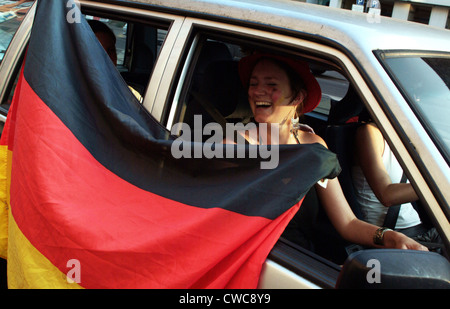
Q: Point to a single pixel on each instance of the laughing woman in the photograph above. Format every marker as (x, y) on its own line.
(279, 90)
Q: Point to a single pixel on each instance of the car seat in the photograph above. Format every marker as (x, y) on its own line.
(222, 90)
(343, 121)
(211, 51)
(143, 60)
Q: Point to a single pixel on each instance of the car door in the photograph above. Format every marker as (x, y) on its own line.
(193, 93)
(209, 63)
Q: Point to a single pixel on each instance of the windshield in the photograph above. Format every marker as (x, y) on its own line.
(425, 82)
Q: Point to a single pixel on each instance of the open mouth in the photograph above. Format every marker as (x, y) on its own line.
(263, 104)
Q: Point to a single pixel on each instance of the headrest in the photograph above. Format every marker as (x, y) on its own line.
(350, 106)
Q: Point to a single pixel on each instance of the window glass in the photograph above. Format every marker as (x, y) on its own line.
(11, 16)
(137, 46)
(425, 82)
(4, 107)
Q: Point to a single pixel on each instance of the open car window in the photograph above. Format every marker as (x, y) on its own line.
(138, 45)
(213, 89)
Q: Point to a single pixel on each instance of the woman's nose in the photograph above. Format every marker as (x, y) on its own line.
(260, 90)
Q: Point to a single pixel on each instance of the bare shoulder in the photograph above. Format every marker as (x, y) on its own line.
(367, 130)
(310, 138)
(369, 136)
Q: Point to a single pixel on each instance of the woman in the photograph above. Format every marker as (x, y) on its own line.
(377, 181)
(280, 89)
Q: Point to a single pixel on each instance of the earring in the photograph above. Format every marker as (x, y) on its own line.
(295, 122)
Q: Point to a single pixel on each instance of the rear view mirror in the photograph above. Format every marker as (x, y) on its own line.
(394, 269)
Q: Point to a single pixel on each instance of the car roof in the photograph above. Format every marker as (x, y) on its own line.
(354, 30)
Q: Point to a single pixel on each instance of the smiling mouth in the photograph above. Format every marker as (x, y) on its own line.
(263, 104)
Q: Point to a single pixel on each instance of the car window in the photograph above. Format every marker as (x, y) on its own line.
(215, 91)
(425, 83)
(119, 28)
(137, 46)
(4, 106)
(11, 16)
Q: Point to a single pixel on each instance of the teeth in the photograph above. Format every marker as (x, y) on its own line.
(262, 104)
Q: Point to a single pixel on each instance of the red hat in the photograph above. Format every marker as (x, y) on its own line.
(246, 65)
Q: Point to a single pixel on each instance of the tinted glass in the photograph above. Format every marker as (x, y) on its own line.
(425, 82)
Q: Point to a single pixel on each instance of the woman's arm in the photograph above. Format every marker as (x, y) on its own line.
(369, 150)
(344, 220)
(351, 228)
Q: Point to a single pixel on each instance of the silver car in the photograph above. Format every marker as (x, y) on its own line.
(400, 71)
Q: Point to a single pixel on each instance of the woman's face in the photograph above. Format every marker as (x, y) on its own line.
(270, 94)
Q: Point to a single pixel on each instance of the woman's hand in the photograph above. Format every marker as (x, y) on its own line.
(398, 240)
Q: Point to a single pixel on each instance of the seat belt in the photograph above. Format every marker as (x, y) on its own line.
(392, 214)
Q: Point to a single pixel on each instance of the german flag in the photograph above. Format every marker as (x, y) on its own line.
(91, 196)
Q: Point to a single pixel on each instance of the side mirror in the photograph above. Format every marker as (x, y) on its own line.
(394, 269)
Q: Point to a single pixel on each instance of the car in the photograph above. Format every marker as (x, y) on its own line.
(397, 69)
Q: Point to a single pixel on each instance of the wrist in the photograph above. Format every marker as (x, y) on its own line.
(379, 236)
